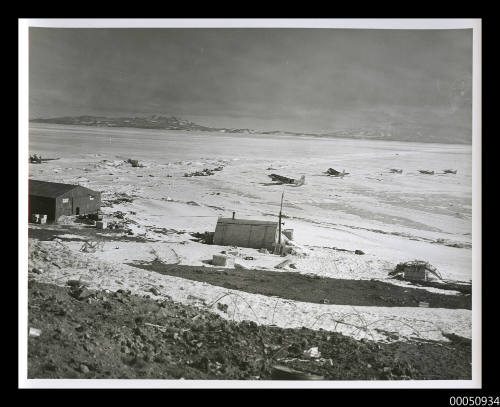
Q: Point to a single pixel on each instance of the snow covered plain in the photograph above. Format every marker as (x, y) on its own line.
(390, 217)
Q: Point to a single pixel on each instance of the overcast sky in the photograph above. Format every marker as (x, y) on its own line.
(294, 79)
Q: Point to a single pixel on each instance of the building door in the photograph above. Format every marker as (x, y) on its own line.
(77, 210)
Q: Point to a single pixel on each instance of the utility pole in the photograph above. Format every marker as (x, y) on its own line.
(279, 224)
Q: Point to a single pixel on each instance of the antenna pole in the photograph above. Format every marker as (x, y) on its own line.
(279, 223)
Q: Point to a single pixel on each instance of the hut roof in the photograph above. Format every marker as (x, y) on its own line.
(231, 221)
(49, 189)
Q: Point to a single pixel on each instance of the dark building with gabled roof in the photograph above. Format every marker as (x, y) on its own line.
(55, 199)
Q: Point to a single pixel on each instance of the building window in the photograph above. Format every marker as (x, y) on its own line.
(65, 200)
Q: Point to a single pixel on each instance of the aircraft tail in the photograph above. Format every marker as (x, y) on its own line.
(301, 181)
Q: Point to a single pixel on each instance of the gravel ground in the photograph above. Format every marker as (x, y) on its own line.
(102, 334)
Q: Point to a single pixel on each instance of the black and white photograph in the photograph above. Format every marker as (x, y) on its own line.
(250, 203)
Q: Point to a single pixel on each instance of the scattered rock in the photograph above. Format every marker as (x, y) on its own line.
(312, 353)
(222, 307)
(154, 291)
(84, 369)
(78, 283)
(81, 294)
(197, 344)
(34, 332)
(285, 373)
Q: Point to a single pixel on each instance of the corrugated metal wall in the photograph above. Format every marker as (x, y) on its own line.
(245, 235)
(416, 273)
(66, 204)
(77, 201)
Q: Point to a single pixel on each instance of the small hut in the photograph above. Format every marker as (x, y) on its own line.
(256, 234)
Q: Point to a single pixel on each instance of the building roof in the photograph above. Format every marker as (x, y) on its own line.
(231, 221)
(49, 189)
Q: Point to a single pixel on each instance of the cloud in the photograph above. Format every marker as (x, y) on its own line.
(318, 76)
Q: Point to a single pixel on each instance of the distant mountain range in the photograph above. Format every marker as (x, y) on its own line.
(394, 131)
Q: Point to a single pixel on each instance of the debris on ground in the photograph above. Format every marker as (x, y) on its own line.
(90, 246)
(91, 216)
(357, 251)
(117, 198)
(222, 307)
(312, 353)
(205, 237)
(117, 335)
(78, 283)
(154, 290)
(204, 173)
(119, 215)
(416, 270)
(134, 163)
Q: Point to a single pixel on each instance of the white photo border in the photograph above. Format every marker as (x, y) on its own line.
(396, 24)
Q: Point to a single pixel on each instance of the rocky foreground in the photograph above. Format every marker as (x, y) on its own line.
(81, 333)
